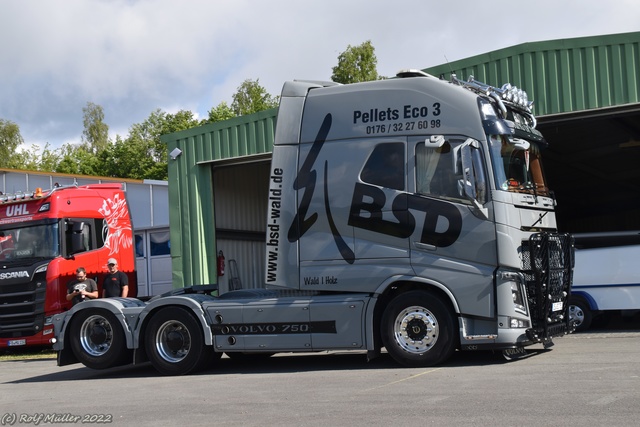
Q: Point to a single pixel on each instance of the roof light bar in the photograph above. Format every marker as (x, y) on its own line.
(507, 94)
(20, 195)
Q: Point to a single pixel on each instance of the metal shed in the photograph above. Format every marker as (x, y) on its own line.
(231, 160)
(587, 99)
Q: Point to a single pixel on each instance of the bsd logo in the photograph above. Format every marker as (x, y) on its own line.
(368, 215)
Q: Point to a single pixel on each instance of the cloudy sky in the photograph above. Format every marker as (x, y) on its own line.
(134, 56)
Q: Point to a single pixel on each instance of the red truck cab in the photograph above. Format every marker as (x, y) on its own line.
(44, 237)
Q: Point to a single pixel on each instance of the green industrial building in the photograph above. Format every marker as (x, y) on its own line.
(586, 94)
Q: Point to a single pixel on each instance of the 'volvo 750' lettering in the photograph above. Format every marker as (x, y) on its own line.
(323, 327)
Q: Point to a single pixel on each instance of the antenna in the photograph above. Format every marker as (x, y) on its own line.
(449, 64)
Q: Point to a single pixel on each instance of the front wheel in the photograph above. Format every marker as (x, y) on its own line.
(580, 313)
(418, 329)
(175, 342)
(97, 339)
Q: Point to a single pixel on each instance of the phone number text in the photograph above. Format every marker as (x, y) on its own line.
(403, 126)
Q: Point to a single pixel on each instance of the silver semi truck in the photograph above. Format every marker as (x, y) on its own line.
(410, 214)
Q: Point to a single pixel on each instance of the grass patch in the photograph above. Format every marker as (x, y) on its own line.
(27, 353)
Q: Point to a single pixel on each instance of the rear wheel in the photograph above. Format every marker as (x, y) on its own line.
(418, 329)
(175, 342)
(580, 313)
(97, 339)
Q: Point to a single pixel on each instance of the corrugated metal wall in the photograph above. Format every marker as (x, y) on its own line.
(562, 76)
(191, 210)
(241, 194)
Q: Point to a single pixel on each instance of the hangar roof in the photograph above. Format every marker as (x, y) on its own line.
(561, 76)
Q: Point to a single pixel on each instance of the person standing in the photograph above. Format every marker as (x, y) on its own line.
(116, 283)
(82, 288)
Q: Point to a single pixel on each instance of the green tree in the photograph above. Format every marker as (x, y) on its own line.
(10, 140)
(141, 155)
(95, 135)
(79, 160)
(181, 120)
(120, 159)
(251, 98)
(356, 64)
(220, 113)
(35, 159)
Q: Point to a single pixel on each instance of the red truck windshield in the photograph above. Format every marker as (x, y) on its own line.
(23, 241)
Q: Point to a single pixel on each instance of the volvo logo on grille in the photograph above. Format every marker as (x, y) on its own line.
(14, 275)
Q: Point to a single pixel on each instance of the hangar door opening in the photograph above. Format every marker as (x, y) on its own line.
(592, 166)
(240, 208)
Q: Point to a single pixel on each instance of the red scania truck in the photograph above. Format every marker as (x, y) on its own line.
(44, 237)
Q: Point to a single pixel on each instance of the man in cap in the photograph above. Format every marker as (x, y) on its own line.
(116, 283)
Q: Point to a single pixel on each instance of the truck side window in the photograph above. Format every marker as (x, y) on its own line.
(385, 166)
(102, 231)
(80, 235)
(434, 172)
(481, 180)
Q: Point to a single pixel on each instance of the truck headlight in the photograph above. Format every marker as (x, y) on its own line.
(518, 323)
(518, 298)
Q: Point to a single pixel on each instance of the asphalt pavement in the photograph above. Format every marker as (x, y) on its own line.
(592, 378)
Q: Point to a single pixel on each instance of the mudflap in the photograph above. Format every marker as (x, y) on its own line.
(66, 357)
(373, 354)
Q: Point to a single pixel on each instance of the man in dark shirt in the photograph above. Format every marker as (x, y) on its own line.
(82, 288)
(116, 283)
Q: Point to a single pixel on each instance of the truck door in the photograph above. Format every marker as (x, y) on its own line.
(379, 204)
(360, 201)
(451, 244)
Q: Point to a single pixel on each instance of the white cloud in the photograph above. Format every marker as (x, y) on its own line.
(132, 57)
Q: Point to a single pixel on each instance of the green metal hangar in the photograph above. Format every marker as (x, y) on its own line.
(586, 94)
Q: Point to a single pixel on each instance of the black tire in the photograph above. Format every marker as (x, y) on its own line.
(430, 339)
(97, 339)
(580, 313)
(175, 343)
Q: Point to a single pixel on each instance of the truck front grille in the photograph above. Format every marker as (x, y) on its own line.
(548, 260)
(22, 308)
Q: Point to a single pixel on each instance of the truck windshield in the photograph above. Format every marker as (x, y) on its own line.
(517, 166)
(23, 241)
